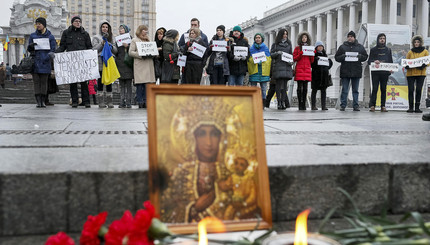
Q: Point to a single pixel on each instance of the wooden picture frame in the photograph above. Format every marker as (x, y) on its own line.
(207, 156)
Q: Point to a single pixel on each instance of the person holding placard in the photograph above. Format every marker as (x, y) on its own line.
(170, 71)
(379, 54)
(98, 44)
(158, 60)
(143, 66)
(218, 67)
(42, 45)
(350, 54)
(237, 60)
(126, 71)
(303, 72)
(195, 50)
(73, 39)
(259, 64)
(320, 75)
(416, 76)
(282, 71)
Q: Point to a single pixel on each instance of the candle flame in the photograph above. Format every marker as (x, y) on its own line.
(301, 236)
(213, 225)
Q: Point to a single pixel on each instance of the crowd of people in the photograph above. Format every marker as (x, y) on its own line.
(276, 66)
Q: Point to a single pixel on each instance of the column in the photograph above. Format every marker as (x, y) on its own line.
(352, 17)
(21, 48)
(300, 26)
(273, 38)
(293, 35)
(365, 11)
(12, 50)
(267, 41)
(339, 26)
(329, 37)
(393, 12)
(319, 28)
(425, 18)
(310, 27)
(378, 12)
(409, 11)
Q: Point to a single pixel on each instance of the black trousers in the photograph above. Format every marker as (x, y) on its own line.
(379, 80)
(415, 84)
(217, 76)
(84, 92)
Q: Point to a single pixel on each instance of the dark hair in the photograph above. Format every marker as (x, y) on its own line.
(281, 35)
(195, 19)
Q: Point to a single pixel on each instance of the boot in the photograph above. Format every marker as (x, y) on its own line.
(47, 102)
(94, 99)
(38, 102)
(411, 108)
(42, 100)
(264, 103)
(267, 104)
(313, 105)
(280, 106)
(109, 100)
(286, 103)
(323, 105)
(417, 108)
(101, 99)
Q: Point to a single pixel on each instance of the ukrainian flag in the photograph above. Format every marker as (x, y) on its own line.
(110, 71)
(6, 44)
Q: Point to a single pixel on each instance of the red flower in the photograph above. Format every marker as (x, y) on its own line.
(119, 230)
(89, 235)
(142, 222)
(60, 238)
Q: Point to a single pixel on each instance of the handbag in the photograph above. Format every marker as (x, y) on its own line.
(26, 65)
(128, 60)
(330, 81)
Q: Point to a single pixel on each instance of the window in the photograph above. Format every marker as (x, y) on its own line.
(399, 9)
(414, 10)
(360, 16)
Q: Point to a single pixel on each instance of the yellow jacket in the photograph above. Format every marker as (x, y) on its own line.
(265, 66)
(415, 71)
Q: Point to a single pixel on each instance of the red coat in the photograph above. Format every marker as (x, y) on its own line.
(303, 65)
(91, 85)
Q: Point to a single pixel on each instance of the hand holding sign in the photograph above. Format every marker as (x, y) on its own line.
(351, 56)
(413, 63)
(286, 57)
(147, 48)
(308, 50)
(240, 51)
(220, 46)
(41, 44)
(198, 49)
(259, 57)
(123, 39)
(323, 61)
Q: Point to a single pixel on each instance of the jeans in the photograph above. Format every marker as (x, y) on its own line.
(84, 93)
(379, 80)
(236, 80)
(126, 91)
(263, 86)
(418, 88)
(355, 81)
(141, 93)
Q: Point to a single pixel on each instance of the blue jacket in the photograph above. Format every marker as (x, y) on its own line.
(42, 61)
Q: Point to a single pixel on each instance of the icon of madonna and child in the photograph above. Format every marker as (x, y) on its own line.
(207, 151)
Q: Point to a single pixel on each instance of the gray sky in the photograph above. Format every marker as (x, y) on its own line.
(173, 14)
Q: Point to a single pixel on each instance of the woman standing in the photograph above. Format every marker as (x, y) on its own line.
(218, 67)
(259, 72)
(42, 60)
(195, 64)
(158, 60)
(170, 69)
(416, 75)
(320, 76)
(143, 66)
(303, 68)
(238, 65)
(126, 72)
(281, 70)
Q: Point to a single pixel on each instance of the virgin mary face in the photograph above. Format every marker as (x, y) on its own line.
(207, 143)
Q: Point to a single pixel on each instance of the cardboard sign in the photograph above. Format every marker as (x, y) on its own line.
(42, 44)
(147, 48)
(287, 57)
(259, 57)
(186, 37)
(124, 38)
(182, 60)
(308, 50)
(220, 46)
(76, 66)
(351, 56)
(240, 51)
(384, 67)
(412, 63)
(198, 49)
(323, 61)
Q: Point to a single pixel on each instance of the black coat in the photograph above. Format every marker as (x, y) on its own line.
(281, 69)
(74, 39)
(124, 70)
(383, 54)
(320, 74)
(351, 69)
(238, 67)
(212, 54)
(170, 71)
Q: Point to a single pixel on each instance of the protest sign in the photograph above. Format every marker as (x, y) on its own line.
(308, 50)
(42, 44)
(76, 66)
(220, 46)
(287, 57)
(198, 49)
(147, 48)
(124, 38)
(259, 57)
(240, 51)
(186, 37)
(412, 63)
(182, 60)
(323, 61)
(351, 56)
(384, 66)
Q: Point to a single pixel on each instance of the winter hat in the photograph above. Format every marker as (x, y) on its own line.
(237, 28)
(41, 20)
(76, 17)
(261, 35)
(351, 33)
(126, 28)
(319, 43)
(172, 33)
(221, 27)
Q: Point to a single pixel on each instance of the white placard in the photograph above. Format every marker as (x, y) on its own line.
(124, 38)
(198, 49)
(308, 50)
(323, 61)
(287, 57)
(186, 37)
(412, 63)
(147, 48)
(351, 56)
(240, 51)
(220, 46)
(76, 66)
(182, 60)
(384, 67)
(259, 57)
(42, 44)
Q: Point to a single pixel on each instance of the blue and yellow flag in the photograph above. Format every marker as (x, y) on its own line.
(110, 72)
(6, 44)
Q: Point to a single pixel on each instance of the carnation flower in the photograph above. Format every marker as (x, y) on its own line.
(119, 230)
(60, 238)
(90, 233)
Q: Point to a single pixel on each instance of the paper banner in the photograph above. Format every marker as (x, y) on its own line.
(384, 67)
(351, 56)
(198, 49)
(416, 62)
(259, 57)
(220, 46)
(287, 57)
(182, 60)
(147, 48)
(240, 51)
(42, 44)
(308, 50)
(323, 61)
(76, 66)
(124, 38)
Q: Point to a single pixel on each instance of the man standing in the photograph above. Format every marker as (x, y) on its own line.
(183, 40)
(76, 38)
(350, 54)
(379, 54)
